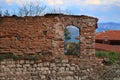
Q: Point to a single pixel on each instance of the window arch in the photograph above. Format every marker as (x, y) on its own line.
(71, 40)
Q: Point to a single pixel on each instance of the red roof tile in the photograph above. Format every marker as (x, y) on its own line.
(106, 47)
(110, 35)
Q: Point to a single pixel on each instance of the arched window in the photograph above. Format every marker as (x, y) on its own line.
(71, 40)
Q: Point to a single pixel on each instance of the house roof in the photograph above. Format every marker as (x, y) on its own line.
(110, 35)
(107, 47)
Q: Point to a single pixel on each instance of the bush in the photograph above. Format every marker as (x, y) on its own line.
(73, 49)
(111, 56)
(101, 54)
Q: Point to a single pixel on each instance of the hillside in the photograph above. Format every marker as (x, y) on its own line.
(108, 26)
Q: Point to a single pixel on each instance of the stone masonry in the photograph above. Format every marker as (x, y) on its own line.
(56, 70)
(30, 35)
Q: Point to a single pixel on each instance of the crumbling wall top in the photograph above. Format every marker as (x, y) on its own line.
(52, 15)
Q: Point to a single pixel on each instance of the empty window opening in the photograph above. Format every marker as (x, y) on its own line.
(71, 41)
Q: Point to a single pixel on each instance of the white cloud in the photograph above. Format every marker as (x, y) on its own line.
(20, 2)
(9, 1)
(96, 2)
(66, 3)
(54, 2)
(109, 1)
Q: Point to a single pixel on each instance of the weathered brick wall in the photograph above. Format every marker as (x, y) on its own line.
(56, 70)
(25, 35)
(45, 34)
(29, 35)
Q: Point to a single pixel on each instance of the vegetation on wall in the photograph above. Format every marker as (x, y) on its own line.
(14, 57)
(8, 55)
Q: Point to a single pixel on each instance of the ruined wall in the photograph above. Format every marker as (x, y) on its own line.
(29, 35)
(45, 34)
(25, 35)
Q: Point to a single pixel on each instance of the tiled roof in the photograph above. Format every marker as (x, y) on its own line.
(110, 35)
(106, 47)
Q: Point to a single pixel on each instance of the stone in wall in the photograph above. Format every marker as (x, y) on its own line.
(59, 69)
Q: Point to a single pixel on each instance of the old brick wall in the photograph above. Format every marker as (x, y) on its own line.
(29, 35)
(25, 35)
(45, 34)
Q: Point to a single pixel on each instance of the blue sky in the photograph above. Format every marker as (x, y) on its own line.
(105, 10)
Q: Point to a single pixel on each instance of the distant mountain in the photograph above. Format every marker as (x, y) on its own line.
(108, 26)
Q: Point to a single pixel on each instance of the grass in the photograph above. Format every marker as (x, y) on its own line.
(14, 57)
(9, 55)
(111, 57)
(31, 57)
(101, 54)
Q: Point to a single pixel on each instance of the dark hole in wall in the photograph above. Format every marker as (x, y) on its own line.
(45, 32)
(17, 37)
